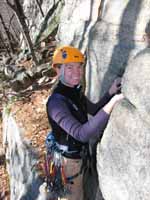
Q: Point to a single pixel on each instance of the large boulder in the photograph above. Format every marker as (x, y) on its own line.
(137, 84)
(123, 155)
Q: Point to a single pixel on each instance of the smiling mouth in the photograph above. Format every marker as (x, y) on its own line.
(75, 79)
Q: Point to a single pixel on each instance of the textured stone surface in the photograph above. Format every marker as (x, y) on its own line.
(137, 83)
(117, 36)
(123, 155)
(21, 162)
(77, 19)
(123, 164)
(111, 42)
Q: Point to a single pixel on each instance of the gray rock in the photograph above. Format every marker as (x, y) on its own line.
(123, 155)
(137, 83)
(21, 161)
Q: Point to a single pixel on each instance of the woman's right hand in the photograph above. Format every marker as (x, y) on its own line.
(118, 97)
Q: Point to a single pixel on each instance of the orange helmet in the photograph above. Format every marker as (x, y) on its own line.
(67, 54)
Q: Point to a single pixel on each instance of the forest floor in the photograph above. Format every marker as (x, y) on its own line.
(30, 113)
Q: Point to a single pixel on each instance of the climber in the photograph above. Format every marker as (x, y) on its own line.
(67, 109)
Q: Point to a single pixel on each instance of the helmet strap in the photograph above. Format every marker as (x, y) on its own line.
(62, 75)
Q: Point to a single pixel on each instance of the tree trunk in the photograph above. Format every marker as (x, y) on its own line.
(17, 8)
(15, 34)
(28, 38)
(3, 45)
(7, 34)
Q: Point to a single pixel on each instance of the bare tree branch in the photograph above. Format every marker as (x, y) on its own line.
(11, 21)
(12, 6)
(18, 10)
(7, 34)
(39, 5)
(15, 36)
(3, 43)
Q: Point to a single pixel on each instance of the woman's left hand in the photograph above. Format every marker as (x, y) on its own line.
(115, 87)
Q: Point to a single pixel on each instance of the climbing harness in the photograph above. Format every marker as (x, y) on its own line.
(56, 179)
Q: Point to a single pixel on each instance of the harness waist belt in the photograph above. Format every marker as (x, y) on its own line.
(75, 155)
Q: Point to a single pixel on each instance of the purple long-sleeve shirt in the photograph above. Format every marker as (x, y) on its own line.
(61, 114)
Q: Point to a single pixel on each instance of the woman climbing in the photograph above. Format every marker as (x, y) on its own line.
(68, 110)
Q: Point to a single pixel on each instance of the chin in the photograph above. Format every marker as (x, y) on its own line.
(75, 83)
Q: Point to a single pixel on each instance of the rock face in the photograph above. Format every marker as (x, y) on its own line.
(113, 41)
(118, 33)
(78, 17)
(21, 161)
(123, 155)
(137, 84)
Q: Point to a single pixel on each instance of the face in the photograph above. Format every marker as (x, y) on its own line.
(73, 73)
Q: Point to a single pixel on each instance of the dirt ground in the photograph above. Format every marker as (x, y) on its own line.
(30, 114)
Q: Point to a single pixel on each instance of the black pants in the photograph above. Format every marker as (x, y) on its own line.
(90, 178)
